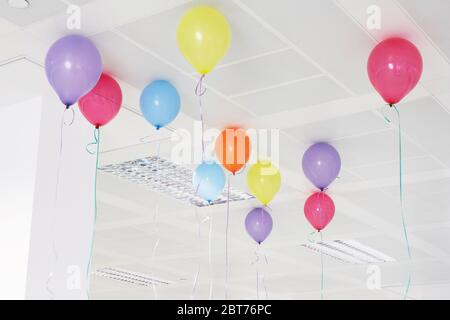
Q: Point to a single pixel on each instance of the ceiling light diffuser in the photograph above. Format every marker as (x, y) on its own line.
(349, 251)
(168, 178)
(130, 277)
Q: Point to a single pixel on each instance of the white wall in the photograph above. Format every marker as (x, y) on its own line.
(19, 137)
(71, 211)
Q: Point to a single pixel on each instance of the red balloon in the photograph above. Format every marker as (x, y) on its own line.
(395, 67)
(319, 210)
(103, 102)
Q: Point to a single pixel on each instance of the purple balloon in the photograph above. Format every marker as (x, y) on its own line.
(73, 66)
(258, 224)
(321, 164)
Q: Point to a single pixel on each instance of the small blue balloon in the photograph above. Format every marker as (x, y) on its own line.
(209, 180)
(160, 103)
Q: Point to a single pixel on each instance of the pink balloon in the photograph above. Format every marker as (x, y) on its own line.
(103, 102)
(395, 66)
(319, 210)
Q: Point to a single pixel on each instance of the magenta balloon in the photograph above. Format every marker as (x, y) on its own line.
(73, 66)
(319, 210)
(258, 224)
(321, 164)
(394, 67)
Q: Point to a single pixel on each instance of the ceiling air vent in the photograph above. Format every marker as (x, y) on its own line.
(167, 178)
(349, 251)
(130, 277)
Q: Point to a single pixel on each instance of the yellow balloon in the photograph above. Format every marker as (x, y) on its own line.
(203, 37)
(264, 180)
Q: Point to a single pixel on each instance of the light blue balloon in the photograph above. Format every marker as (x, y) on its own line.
(209, 180)
(160, 103)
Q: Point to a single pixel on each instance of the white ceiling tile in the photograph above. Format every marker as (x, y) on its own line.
(325, 33)
(79, 2)
(144, 68)
(378, 203)
(433, 291)
(393, 247)
(247, 40)
(426, 277)
(424, 187)
(429, 125)
(126, 61)
(391, 169)
(373, 148)
(6, 27)
(343, 224)
(38, 10)
(432, 17)
(292, 96)
(427, 208)
(261, 72)
(346, 176)
(333, 129)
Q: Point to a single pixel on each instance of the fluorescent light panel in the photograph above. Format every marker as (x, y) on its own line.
(130, 277)
(167, 178)
(349, 251)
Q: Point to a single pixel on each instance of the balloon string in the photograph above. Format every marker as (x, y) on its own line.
(63, 123)
(61, 142)
(321, 274)
(89, 265)
(400, 156)
(93, 144)
(256, 264)
(226, 239)
(257, 270)
(199, 92)
(210, 253)
(194, 288)
(312, 238)
(155, 220)
(405, 231)
(263, 278)
(155, 246)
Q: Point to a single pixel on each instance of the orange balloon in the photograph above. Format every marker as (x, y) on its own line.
(233, 148)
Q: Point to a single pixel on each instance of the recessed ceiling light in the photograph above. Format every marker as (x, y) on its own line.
(19, 4)
(132, 277)
(349, 251)
(168, 178)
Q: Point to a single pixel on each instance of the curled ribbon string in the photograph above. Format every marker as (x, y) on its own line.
(155, 221)
(321, 273)
(402, 211)
(155, 246)
(263, 280)
(210, 253)
(200, 90)
(256, 263)
(312, 238)
(63, 124)
(96, 142)
(226, 238)
(194, 287)
(260, 271)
